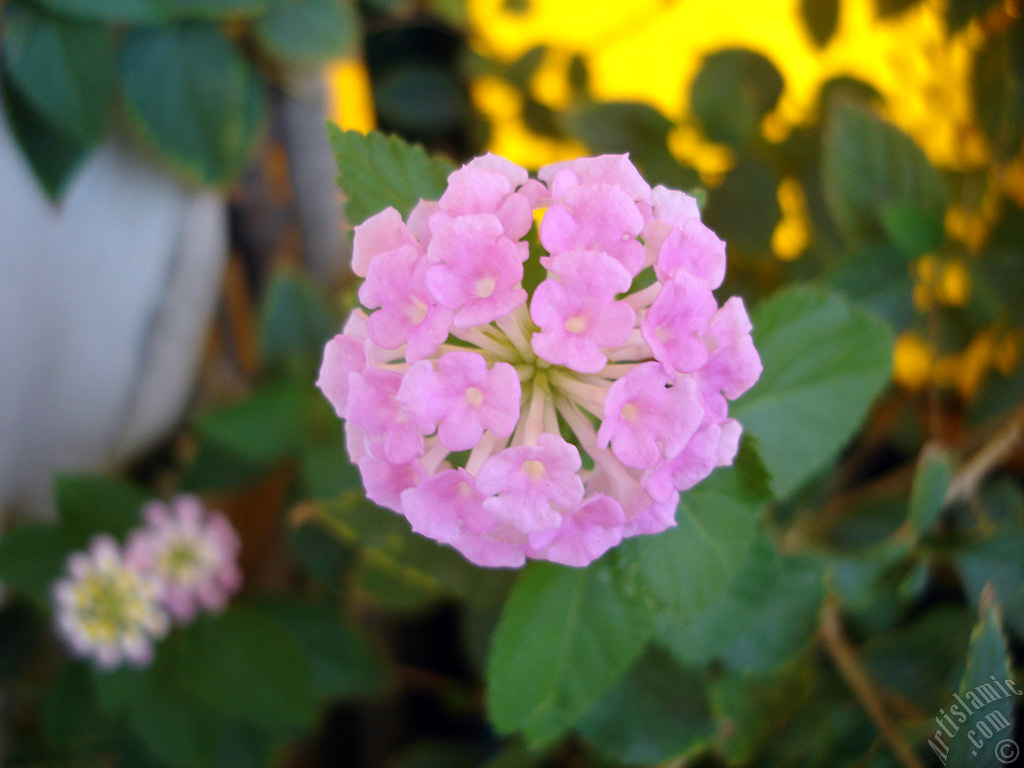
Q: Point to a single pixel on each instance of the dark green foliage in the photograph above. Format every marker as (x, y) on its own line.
(195, 98)
(191, 94)
(376, 172)
(821, 18)
(732, 92)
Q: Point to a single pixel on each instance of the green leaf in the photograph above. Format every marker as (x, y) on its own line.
(65, 68)
(931, 481)
(825, 361)
(821, 17)
(295, 320)
(913, 229)
(402, 569)
(921, 660)
(343, 661)
(245, 665)
(421, 99)
(998, 560)
(750, 708)
(766, 615)
(53, 156)
(308, 31)
(116, 11)
(166, 723)
(263, 429)
(877, 278)
(986, 699)
(326, 468)
(377, 171)
(566, 635)
(32, 556)
(658, 712)
(997, 86)
(74, 724)
(686, 569)
(870, 166)
(160, 711)
(194, 97)
(734, 89)
(867, 581)
(749, 187)
(91, 504)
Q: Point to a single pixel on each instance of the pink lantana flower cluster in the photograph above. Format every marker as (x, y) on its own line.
(115, 603)
(551, 423)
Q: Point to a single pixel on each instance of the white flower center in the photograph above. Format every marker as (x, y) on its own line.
(484, 287)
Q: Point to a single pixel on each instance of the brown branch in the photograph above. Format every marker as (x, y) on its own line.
(845, 659)
(992, 454)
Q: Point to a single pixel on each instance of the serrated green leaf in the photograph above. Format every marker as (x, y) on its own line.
(767, 614)
(193, 97)
(931, 481)
(985, 699)
(686, 569)
(658, 712)
(308, 31)
(566, 635)
(377, 171)
(825, 361)
(53, 156)
(65, 68)
(869, 165)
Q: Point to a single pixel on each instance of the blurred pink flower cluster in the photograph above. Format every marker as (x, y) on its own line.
(115, 602)
(549, 425)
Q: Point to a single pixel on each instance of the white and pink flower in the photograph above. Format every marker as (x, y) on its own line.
(109, 606)
(549, 425)
(191, 552)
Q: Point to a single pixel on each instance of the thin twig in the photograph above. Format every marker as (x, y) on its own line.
(997, 450)
(860, 682)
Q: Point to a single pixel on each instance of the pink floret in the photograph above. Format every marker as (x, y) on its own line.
(578, 314)
(479, 269)
(464, 396)
(529, 487)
